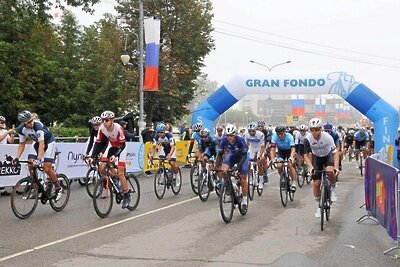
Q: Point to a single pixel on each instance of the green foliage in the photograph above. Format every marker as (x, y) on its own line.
(59, 131)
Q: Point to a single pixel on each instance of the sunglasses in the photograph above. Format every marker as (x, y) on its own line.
(29, 122)
(230, 135)
(106, 120)
(315, 130)
(251, 131)
(1, 122)
(160, 132)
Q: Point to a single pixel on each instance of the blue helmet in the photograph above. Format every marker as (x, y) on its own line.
(328, 126)
(160, 127)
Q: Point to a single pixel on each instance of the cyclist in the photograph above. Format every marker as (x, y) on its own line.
(167, 142)
(299, 144)
(45, 146)
(255, 141)
(116, 152)
(361, 141)
(236, 149)
(320, 151)
(348, 141)
(219, 133)
(208, 145)
(284, 142)
(196, 128)
(93, 125)
(329, 128)
(263, 168)
(371, 141)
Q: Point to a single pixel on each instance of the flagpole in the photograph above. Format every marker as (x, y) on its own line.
(141, 91)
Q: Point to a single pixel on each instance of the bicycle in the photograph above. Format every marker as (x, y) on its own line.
(252, 174)
(194, 174)
(302, 172)
(107, 186)
(163, 179)
(207, 181)
(350, 153)
(231, 195)
(361, 158)
(284, 183)
(92, 176)
(325, 199)
(28, 190)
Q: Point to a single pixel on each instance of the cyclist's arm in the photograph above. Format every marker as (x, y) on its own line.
(308, 153)
(99, 147)
(90, 144)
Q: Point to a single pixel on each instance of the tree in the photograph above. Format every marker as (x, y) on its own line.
(185, 41)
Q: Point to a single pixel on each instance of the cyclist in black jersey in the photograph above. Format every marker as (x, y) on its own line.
(93, 125)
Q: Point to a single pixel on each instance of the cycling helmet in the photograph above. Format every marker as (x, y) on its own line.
(160, 127)
(107, 115)
(197, 126)
(362, 129)
(280, 128)
(96, 120)
(315, 123)
(251, 126)
(24, 116)
(328, 126)
(230, 129)
(303, 127)
(2, 118)
(205, 132)
(261, 124)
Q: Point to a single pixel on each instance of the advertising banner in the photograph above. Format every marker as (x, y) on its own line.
(380, 194)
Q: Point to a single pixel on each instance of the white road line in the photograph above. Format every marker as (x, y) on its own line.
(92, 230)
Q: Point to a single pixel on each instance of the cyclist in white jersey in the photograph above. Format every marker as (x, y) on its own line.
(256, 147)
(319, 152)
(116, 152)
(6, 136)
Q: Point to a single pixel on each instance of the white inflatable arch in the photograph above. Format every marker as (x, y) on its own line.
(383, 115)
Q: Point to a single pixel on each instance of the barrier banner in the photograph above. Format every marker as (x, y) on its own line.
(380, 194)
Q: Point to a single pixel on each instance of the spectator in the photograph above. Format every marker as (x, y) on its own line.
(6, 136)
(185, 136)
(128, 136)
(147, 133)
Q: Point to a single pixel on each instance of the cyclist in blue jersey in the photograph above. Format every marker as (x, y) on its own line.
(284, 142)
(236, 149)
(361, 141)
(45, 146)
(196, 128)
(208, 145)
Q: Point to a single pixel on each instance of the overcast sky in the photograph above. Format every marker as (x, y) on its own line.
(360, 37)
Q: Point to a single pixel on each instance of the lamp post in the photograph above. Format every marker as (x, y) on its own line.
(269, 70)
(125, 59)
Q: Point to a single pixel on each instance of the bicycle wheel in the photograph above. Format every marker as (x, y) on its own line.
(194, 176)
(92, 176)
(65, 189)
(351, 154)
(82, 181)
(203, 186)
(134, 190)
(250, 183)
(290, 192)
(361, 166)
(103, 197)
(226, 204)
(24, 198)
(283, 189)
(328, 202)
(260, 179)
(160, 183)
(322, 204)
(176, 189)
(300, 175)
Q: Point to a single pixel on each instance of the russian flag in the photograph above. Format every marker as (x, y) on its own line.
(152, 38)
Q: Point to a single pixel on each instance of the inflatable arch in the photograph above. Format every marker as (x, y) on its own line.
(382, 114)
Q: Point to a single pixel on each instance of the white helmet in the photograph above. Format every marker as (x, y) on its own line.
(303, 127)
(315, 123)
(197, 126)
(107, 115)
(2, 118)
(230, 129)
(252, 126)
(96, 120)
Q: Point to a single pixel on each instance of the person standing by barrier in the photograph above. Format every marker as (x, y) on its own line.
(147, 133)
(6, 136)
(128, 136)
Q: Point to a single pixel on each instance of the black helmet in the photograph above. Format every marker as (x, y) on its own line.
(280, 128)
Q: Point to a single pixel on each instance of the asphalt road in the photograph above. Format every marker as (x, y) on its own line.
(183, 231)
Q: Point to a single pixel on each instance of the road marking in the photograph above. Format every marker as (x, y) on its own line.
(93, 230)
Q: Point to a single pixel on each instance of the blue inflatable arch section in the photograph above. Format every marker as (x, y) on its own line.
(382, 114)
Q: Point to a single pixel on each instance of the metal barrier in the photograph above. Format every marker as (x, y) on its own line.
(397, 216)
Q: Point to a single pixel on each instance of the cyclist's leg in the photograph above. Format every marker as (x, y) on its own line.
(317, 164)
